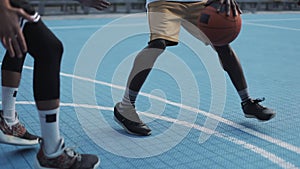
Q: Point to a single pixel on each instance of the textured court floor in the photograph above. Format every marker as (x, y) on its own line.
(196, 119)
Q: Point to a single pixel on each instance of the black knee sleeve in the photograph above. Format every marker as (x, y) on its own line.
(158, 44)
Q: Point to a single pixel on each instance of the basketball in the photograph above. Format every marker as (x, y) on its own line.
(218, 27)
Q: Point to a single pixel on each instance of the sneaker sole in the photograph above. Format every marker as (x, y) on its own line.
(38, 166)
(12, 140)
(252, 116)
(128, 131)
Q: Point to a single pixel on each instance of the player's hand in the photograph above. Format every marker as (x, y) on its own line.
(97, 4)
(227, 5)
(10, 32)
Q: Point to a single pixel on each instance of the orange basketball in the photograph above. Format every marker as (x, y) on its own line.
(219, 28)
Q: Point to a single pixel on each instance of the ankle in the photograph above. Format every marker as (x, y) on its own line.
(11, 120)
(247, 101)
(126, 105)
(54, 151)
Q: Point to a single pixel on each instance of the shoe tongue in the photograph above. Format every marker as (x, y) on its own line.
(61, 146)
(70, 152)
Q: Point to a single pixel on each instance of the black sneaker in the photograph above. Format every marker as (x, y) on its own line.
(65, 158)
(131, 123)
(252, 109)
(16, 134)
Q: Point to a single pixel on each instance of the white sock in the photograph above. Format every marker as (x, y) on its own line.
(9, 104)
(49, 120)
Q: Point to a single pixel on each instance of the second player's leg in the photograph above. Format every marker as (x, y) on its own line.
(232, 65)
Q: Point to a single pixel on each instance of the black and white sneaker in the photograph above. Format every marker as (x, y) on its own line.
(128, 118)
(252, 109)
(16, 134)
(65, 158)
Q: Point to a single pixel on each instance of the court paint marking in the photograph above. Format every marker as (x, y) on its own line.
(260, 151)
(90, 26)
(262, 136)
(272, 26)
(272, 20)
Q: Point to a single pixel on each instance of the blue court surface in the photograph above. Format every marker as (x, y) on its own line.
(188, 101)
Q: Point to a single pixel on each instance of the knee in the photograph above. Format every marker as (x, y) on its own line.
(56, 49)
(158, 44)
(148, 55)
(225, 56)
(52, 54)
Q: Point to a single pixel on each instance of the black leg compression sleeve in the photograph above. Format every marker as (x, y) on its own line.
(144, 62)
(232, 66)
(47, 51)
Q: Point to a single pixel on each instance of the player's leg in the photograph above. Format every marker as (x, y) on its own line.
(12, 130)
(125, 113)
(164, 28)
(232, 66)
(47, 51)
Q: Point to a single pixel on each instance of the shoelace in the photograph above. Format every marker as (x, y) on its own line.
(71, 153)
(258, 100)
(20, 129)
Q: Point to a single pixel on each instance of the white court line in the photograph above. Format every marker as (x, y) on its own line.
(268, 155)
(272, 26)
(271, 20)
(75, 27)
(91, 26)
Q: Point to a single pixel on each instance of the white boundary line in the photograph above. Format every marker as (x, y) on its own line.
(88, 26)
(272, 26)
(272, 20)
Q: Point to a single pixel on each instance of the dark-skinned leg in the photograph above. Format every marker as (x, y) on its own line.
(231, 64)
(125, 113)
